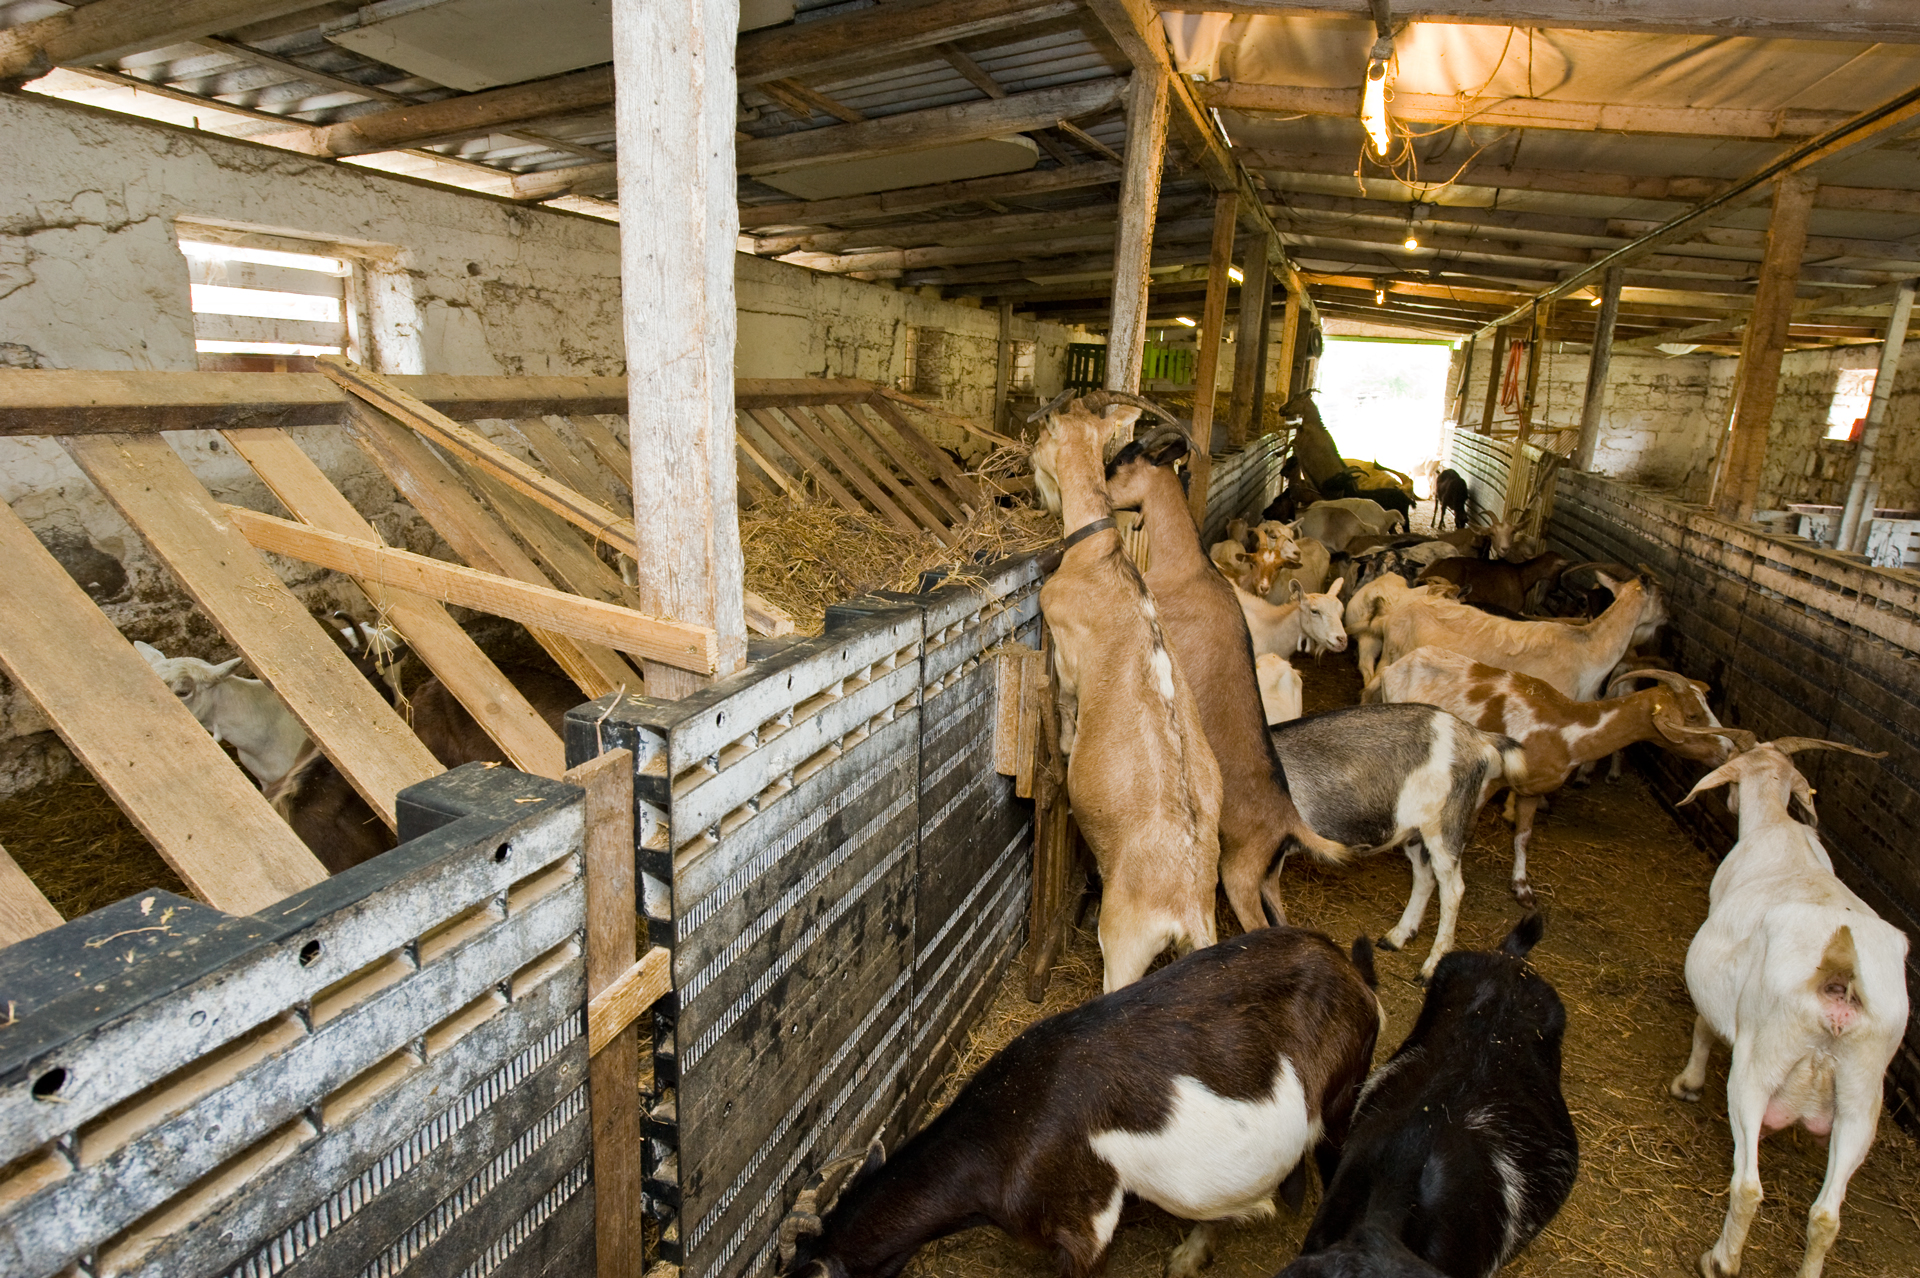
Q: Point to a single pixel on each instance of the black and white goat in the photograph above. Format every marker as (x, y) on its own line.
(1200, 1088)
(1461, 1149)
(1375, 777)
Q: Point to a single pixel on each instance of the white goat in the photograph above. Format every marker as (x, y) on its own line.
(1281, 689)
(1373, 517)
(244, 713)
(1368, 607)
(1573, 658)
(1310, 621)
(1310, 572)
(1805, 981)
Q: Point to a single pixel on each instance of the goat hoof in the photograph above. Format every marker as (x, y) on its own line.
(1710, 1268)
(1679, 1090)
(1523, 892)
(1386, 943)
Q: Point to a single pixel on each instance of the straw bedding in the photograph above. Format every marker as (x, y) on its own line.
(1625, 888)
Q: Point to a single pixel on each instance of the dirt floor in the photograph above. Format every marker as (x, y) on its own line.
(1625, 888)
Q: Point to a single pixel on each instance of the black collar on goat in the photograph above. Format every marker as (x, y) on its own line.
(1200, 1088)
(1462, 1148)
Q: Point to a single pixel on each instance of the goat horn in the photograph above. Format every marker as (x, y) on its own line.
(1057, 400)
(1787, 745)
(1105, 398)
(1672, 678)
(1743, 740)
(1652, 577)
(796, 1225)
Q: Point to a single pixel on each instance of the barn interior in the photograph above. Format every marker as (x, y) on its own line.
(680, 354)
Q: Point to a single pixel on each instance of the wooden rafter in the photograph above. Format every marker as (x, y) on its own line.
(1769, 18)
(110, 29)
(919, 199)
(451, 119)
(834, 46)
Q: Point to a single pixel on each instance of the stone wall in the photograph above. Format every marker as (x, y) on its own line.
(1803, 465)
(92, 277)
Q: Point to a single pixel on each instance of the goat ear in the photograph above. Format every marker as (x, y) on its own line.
(147, 650)
(1804, 792)
(224, 670)
(1725, 774)
(1333, 591)
(1293, 590)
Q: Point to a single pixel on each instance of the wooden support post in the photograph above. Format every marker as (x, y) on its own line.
(1597, 365)
(613, 1076)
(1249, 353)
(1257, 419)
(1289, 344)
(1460, 387)
(1516, 495)
(1133, 246)
(674, 121)
(1761, 346)
(1213, 322)
(201, 813)
(1502, 338)
(24, 908)
(1857, 514)
(1003, 366)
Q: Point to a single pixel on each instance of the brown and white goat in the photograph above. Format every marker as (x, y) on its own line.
(1557, 733)
(1574, 658)
(1207, 634)
(1200, 1089)
(1141, 777)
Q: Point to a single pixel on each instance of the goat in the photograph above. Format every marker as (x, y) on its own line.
(1201, 1088)
(1369, 605)
(1558, 734)
(1140, 775)
(1496, 582)
(1805, 981)
(242, 713)
(1392, 498)
(1573, 658)
(1046, 448)
(1208, 639)
(1309, 573)
(1462, 1148)
(335, 823)
(375, 648)
(1335, 524)
(1281, 689)
(1309, 621)
(1374, 777)
(1451, 495)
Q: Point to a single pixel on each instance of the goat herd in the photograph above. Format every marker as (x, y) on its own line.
(1203, 1087)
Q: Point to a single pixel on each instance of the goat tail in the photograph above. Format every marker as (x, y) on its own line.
(1513, 760)
(1316, 845)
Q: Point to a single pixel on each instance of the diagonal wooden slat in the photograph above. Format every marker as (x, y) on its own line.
(802, 417)
(24, 909)
(193, 803)
(779, 437)
(862, 416)
(860, 449)
(495, 704)
(967, 490)
(191, 534)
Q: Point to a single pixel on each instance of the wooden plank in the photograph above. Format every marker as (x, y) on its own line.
(1598, 363)
(62, 402)
(836, 44)
(669, 642)
(637, 989)
(495, 704)
(463, 116)
(950, 418)
(590, 516)
(24, 909)
(190, 533)
(612, 946)
(777, 474)
(608, 446)
(1720, 18)
(193, 803)
(1249, 352)
(561, 461)
(857, 444)
(802, 417)
(872, 430)
(111, 29)
(430, 486)
(950, 474)
(779, 433)
(919, 199)
(1213, 324)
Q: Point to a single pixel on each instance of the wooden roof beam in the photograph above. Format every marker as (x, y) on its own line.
(962, 230)
(918, 199)
(1527, 113)
(1623, 186)
(934, 126)
(450, 119)
(1885, 22)
(958, 255)
(111, 29)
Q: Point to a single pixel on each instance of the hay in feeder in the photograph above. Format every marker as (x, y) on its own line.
(77, 846)
(806, 553)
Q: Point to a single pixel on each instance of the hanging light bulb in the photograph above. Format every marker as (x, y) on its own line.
(1234, 273)
(1380, 296)
(1190, 323)
(1411, 242)
(1373, 105)
(1594, 301)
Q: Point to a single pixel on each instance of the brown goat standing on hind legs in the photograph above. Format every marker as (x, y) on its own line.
(1212, 649)
(1144, 786)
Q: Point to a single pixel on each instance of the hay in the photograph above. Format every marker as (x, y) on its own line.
(806, 553)
(78, 848)
(1624, 888)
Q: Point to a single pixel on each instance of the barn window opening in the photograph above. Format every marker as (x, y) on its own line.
(268, 310)
(1851, 395)
(1023, 366)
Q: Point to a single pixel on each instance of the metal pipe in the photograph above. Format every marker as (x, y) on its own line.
(1855, 517)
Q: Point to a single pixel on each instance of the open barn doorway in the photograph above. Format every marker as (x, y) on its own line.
(1385, 400)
